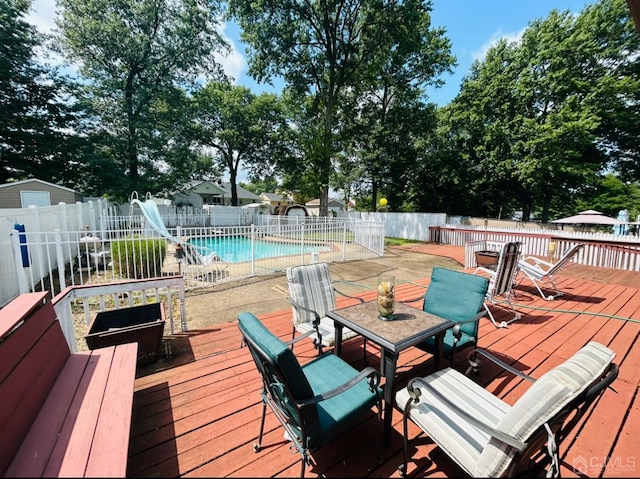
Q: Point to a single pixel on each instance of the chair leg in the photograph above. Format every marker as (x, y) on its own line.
(402, 468)
(503, 324)
(258, 445)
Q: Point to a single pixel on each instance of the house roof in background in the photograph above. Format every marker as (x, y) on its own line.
(242, 193)
(225, 188)
(35, 180)
(276, 197)
(316, 202)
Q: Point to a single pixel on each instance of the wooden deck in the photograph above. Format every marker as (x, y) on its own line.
(200, 416)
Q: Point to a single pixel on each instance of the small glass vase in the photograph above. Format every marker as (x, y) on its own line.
(386, 297)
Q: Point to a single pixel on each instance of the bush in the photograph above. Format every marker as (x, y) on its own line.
(138, 258)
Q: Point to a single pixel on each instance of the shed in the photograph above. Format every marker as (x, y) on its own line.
(21, 194)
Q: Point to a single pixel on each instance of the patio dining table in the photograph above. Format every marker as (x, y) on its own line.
(409, 327)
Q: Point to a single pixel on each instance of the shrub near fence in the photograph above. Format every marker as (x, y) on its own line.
(137, 258)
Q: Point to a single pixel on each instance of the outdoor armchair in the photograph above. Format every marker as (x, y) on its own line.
(542, 273)
(459, 297)
(315, 403)
(312, 294)
(486, 436)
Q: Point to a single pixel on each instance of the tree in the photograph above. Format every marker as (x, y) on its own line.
(240, 128)
(36, 107)
(134, 55)
(388, 113)
(542, 118)
(318, 48)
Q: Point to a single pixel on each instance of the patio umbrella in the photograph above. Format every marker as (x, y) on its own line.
(589, 217)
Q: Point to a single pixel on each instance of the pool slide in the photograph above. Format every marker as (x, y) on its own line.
(151, 213)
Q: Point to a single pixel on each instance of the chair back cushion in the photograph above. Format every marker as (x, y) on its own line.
(456, 296)
(506, 269)
(310, 286)
(542, 401)
(281, 373)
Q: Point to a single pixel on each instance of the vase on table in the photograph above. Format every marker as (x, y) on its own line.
(386, 297)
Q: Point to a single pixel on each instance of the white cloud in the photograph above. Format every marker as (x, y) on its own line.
(481, 52)
(234, 63)
(42, 15)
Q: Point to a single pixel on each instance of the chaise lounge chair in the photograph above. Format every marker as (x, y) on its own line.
(502, 280)
(542, 273)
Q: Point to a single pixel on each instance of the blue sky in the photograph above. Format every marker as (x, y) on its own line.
(471, 25)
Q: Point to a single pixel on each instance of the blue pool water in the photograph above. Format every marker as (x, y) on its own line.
(237, 249)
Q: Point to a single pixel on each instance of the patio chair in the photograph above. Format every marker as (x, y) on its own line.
(486, 436)
(466, 310)
(502, 281)
(315, 403)
(542, 273)
(312, 294)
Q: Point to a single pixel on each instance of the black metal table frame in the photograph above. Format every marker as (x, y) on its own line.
(391, 348)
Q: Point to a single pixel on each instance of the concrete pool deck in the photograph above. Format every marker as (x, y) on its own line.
(263, 294)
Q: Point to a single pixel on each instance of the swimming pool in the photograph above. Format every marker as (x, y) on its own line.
(237, 249)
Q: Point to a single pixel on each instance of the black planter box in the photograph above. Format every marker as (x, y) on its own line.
(139, 324)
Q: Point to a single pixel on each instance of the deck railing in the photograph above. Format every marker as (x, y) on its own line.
(601, 250)
(92, 299)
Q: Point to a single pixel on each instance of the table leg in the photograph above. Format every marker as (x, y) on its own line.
(390, 360)
(338, 338)
(438, 353)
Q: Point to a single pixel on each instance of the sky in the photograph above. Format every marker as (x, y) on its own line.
(471, 25)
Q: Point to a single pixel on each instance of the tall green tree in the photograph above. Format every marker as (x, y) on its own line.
(37, 111)
(321, 50)
(389, 113)
(240, 129)
(544, 117)
(134, 55)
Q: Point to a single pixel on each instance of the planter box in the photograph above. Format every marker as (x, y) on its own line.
(139, 324)
(487, 258)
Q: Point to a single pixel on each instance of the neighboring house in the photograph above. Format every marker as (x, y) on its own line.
(200, 193)
(21, 194)
(335, 207)
(276, 200)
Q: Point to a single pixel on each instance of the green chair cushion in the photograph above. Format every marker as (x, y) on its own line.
(336, 414)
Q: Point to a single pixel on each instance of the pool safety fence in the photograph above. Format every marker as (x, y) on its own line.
(54, 260)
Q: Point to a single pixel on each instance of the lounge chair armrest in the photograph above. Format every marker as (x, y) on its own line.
(368, 372)
(489, 272)
(457, 333)
(301, 337)
(414, 394)
(475, 363)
